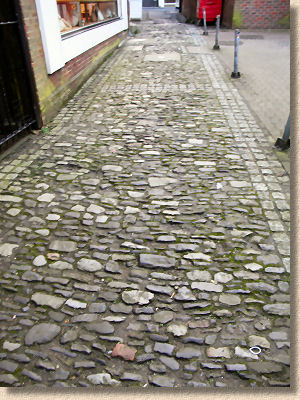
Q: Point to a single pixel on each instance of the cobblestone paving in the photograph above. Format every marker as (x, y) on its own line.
(145, 239)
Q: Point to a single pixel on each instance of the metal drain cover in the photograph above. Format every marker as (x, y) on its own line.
(256, 37)
(228, 42)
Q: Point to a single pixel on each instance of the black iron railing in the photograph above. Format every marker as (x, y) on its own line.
(18, 101)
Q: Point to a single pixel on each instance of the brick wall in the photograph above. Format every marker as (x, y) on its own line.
(264, 14)
(55, 89)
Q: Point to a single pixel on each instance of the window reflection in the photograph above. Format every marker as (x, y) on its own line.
(75, 14)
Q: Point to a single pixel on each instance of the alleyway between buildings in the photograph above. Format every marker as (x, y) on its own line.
(145, 236)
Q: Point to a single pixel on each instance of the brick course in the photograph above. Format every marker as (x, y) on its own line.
(263, 14)
(55, 89)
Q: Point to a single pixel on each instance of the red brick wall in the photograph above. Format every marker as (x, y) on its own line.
(264, 14)
(55, 89)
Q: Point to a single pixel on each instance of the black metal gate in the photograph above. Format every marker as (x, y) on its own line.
(18, 100)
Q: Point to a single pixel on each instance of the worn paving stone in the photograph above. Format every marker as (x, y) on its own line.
(160, 289)
(163, 317)
(277, 309)
(155, 261)
(170, 362)
(188, 353)
(10, 346)
(162, 381)
(264, 367)
(44, 299)
(39, 261)
(177, 329)
(235, 367)
(137, 297)
(6, 249)
(157, 367)
(47, 365)
(32, 276)
(47, 197)
(218, 352)
(207, 287)
(100, 327)
(194, 339)
(129, 376)
(8, 366)
(63, 245)
(97, 308)
(229, 299)
(164, 348)
(89, 265)
(261, 286)
(211, 365)
(85, 364)
(102, 379)
(197, 256)
(154, 182)
(8, 379)
(61, 265)
(260, 341)
(244, 353)
(197, 275)
(184, 294)
(41, 333)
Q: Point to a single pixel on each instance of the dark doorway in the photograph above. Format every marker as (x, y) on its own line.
(227, 13)
(150, 3)
(18, 100)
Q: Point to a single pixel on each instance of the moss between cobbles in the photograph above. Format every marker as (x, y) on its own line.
(18, 374)
(284, 23)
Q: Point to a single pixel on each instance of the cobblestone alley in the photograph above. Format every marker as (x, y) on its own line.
(145, 236)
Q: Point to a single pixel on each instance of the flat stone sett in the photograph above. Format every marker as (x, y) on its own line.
(144, 239)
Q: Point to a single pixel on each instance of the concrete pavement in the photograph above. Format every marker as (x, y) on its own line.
(264, 64)
(145, 237)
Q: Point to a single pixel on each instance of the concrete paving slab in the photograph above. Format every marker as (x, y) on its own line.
(155, 57)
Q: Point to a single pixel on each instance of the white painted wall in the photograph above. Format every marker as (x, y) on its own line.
(76, 45)
(59, 51)
(135, 9)
(51, 39)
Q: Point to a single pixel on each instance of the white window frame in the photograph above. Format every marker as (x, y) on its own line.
(59, 50)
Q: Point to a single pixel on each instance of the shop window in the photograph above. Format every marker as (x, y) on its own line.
(75, 15)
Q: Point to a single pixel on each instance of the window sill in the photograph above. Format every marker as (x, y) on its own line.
(79, 31)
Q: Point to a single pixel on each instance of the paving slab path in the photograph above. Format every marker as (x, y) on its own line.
(145, 237)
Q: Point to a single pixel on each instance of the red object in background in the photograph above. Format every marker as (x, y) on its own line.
(212, 9)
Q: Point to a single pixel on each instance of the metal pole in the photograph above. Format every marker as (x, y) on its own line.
(204, 22)
(235, 73)
(284, 142)
(216, 46)
(286, 134)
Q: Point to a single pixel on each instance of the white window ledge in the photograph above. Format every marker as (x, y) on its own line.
(59, 50)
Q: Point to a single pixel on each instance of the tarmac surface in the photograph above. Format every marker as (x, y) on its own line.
(145, 236)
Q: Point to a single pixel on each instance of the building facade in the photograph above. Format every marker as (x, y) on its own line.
(62, 43)
(256, 14)
(75, 37)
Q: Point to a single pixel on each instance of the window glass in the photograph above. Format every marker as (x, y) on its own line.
(76, 14)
